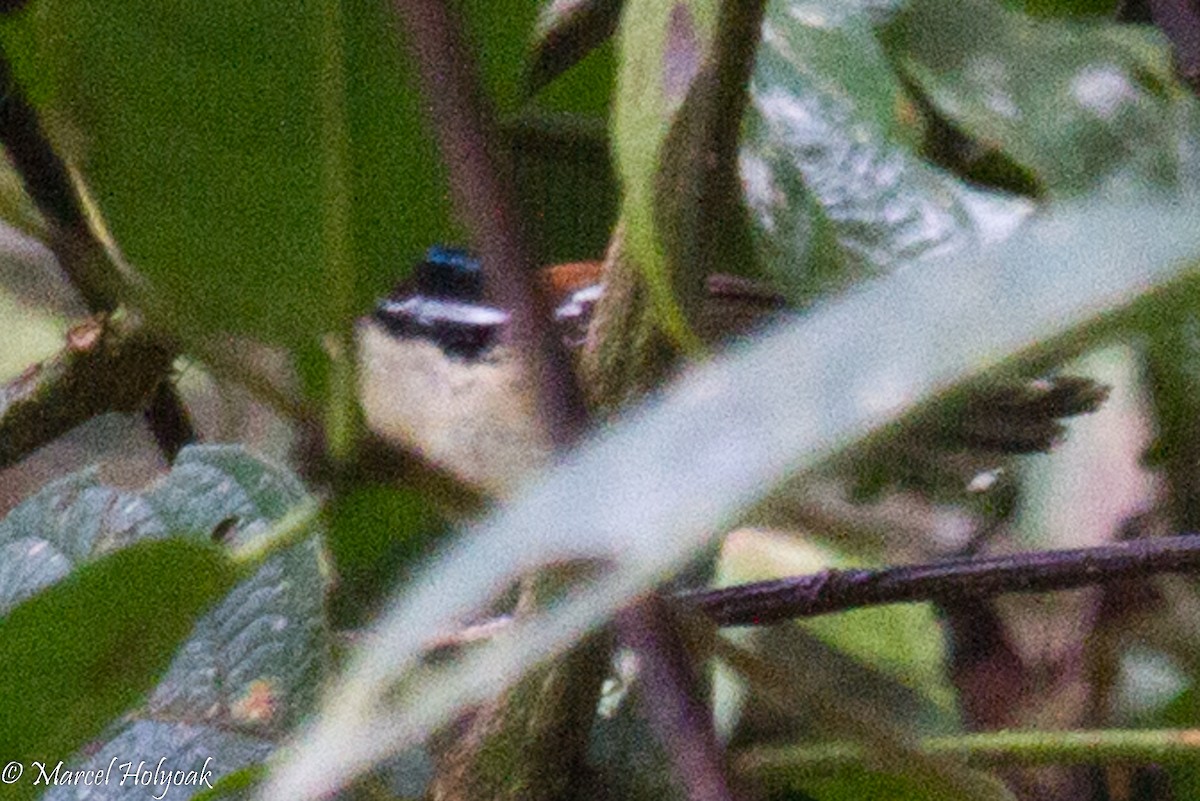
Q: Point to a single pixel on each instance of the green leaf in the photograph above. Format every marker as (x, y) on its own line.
(201, 131)
(375, 532)
(565, 182)
(1183, 712)
(663, 46)
(1065, 8)
(835, 190)
(225, 684)
(503, 38)
(648, 494)
(559, 140)
(79, 653)
(560, 143)
(197, 127)
(854, 785)
(233, 783)
(1083, 105)
(570, 34)
(399, 201)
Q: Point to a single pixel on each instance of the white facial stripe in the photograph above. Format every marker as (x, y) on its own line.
(427, 311)
(577, 303)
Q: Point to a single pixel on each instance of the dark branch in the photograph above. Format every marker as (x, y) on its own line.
(951, 581)
(45, 178)
(539, 718)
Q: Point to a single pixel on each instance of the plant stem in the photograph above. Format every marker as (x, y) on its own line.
(289, 530)
(767, 602)
(679, 718)
(786, 764)
(541, 721)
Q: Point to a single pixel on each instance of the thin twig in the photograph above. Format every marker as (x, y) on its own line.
(951, 581)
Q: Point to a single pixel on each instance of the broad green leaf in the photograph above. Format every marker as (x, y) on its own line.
(375, 532)
(560, 146)
(202, 131)
(646, 495)
(502, 35)
(586, 89)
(567, 190)
(224, 684)
(399, 202)
(79, 653)
(1083, 105)
(564, 175)
(197, 127)
(663, 45)
(835, 190)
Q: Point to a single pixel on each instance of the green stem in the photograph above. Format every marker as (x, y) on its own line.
(792, 764)
(292, 528)
(341, 421)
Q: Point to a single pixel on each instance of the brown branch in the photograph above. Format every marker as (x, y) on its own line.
(956, 580)
(541, 722)
(110, 364)
(80, 256)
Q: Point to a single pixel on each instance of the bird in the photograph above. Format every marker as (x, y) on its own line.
(439, 374)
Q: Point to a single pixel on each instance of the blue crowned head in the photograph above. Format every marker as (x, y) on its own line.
(450, 273)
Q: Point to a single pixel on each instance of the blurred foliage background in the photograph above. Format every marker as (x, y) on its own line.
(949, 194)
